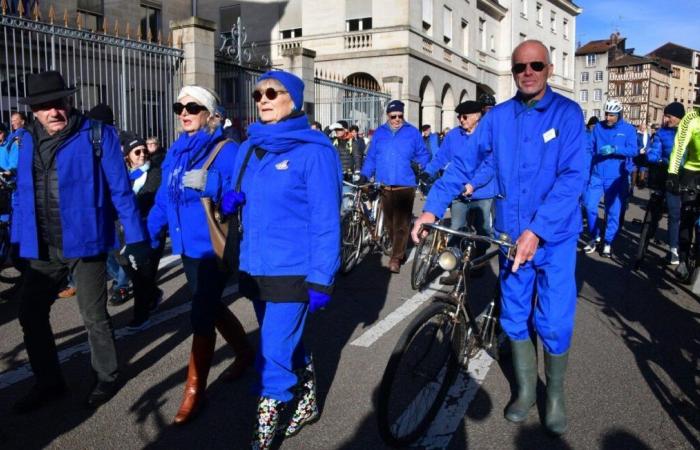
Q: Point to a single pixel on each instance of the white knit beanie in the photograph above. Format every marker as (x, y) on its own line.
(204, 96)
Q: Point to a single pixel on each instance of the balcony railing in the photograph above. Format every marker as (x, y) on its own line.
(358, 41)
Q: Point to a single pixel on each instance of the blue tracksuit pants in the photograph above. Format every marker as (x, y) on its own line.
(281, 349)
(614, 191)
(551, 275)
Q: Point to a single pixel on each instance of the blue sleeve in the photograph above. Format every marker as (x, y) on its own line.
(441, 159)
(654, 152)
(324, 178)
(370, 163)
(563, 198)
(483, 139)
(13, 157)
(421, 154)
(158, 215)
(123, 197)
(630, 149)
(220, 174)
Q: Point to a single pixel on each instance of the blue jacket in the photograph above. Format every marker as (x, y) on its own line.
(623, 137)
(390, 154)
(89, 193)
(291, 215)
(459, 141)
(9, 155)
(185, 218)
(662, 145)
(538, 155)
(432, 144)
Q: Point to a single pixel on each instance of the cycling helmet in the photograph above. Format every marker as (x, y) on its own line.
(613, 106)
(487, 99)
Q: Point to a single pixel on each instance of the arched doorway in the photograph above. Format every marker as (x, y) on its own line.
(363, 80)
(448, 108)
(483, 89)
(463, 96)
(429, 112)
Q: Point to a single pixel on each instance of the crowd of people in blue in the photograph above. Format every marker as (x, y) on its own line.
(524, 168)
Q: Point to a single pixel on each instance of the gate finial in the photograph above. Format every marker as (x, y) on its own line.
(79, 21)
(37, 12)
(128, 30)
(105, 26)
(52, 14)
(3, 6)
(116, 27)
(65, 17)
(160, 38)
(20, 9)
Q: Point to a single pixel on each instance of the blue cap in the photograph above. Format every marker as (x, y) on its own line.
(394, 106)
(291, 82)
(220, 110)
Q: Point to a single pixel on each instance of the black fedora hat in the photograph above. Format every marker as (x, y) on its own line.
(44, 87)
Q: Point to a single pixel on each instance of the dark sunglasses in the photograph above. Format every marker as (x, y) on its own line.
(137, 152)
(537, 66)
(270, 93)
(191, 108)
(396, 116)
(463, 116)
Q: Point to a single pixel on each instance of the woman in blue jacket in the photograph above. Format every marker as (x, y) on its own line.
(178, 206)
(290, 249)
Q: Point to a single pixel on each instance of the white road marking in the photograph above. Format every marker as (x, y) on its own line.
(23, 372)
(379, 329)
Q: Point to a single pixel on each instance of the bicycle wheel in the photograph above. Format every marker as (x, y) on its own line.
(351, 241)
(5, 245)
(644, 237)
(384, 240)
(423, 260)
(419, 373)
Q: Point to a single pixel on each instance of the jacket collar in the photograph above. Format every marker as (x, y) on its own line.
(542, 104)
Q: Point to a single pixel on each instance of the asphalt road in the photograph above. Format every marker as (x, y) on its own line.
(632, 380)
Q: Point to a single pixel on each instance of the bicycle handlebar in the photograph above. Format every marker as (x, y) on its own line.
(505, 241)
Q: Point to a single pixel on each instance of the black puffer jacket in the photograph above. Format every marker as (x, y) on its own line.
(350, 155)
(48, 208)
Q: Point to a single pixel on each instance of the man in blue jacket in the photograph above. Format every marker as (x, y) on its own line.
(536, 147)
(659, 152)
(613, 143)
(430, 139)
(70, 183)
(394, 146)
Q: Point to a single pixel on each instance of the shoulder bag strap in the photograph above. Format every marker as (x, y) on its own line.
(214, 153)
(239, 180)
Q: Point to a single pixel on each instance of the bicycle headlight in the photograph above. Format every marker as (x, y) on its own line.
(449, 259)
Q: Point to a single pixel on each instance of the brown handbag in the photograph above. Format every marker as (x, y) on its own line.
(218, 226)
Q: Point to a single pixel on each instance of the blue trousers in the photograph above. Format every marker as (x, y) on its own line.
(281, 349)
(673, 202)
(459, 211)
(614, 191)
(551, 275)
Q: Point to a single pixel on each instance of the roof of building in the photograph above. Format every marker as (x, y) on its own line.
(676, 53)
(599, 46)
(635, 60)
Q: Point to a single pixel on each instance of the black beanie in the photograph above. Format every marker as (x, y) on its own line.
(103, 113)
(675, 109)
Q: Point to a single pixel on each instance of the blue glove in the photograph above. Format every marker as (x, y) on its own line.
(606, 150)
(231, 201)
(318, 300)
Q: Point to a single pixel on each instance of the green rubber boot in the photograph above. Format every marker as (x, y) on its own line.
(525, 365)
(555, 411)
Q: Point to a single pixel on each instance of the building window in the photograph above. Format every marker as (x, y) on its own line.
(583, 96)
(553, 57)
(676, 72)
(523, 9)
(598, 75)
(597, 95)
(523, 37)
(428, 16)
(553, 22)
(565, 28)
(656, 87)
(638, 68)
(565, 63)
(492, 42)
(150, 21)
(290, 19)
(585, 114)
(358, 24)
(584, 77)
(620, 69)
(596, 112)
(447, 25)
(540, 14)
(591, 60)
(675, 94)
(290, 34)
(465, 37)
(635, 111)
(667, 91)
(637, 88)
(619, 89)
(482, 34)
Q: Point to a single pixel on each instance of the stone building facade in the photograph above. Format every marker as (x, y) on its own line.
(687, 61)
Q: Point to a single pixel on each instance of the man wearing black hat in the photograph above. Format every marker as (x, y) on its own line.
(70, 184)
(658, 155)
(350, 156)
(394, 146)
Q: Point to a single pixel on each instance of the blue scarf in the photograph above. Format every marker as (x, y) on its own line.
(186, 151)
(285, 135)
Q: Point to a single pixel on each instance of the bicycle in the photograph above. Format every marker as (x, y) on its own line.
(425, 258)
(650, 224)
(362, 225)
(7, 187)
(437, 344)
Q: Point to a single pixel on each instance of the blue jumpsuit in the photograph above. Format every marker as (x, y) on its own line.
(538, 155)
(612, 148)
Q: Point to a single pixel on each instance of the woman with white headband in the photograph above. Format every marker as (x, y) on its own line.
(179, 207)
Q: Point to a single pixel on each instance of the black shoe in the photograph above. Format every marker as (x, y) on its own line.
(102, 392)
(156, 302)
(37, 397)
(139, 324)
(119, 297)
(682, 272)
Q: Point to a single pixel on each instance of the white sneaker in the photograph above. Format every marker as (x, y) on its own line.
(606, 251)
(673, 256)
(590, 247)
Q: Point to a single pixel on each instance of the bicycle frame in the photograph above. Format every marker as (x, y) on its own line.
(372, 217)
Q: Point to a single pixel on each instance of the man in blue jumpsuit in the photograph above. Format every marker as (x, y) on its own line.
(613, 143)
(658, 154)
(536, 147)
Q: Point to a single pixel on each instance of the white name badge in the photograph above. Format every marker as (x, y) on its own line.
(549, 135)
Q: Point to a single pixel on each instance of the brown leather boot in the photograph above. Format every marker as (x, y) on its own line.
(200, 362)
(232, 331)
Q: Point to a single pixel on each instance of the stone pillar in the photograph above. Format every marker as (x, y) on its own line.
(432, 115)
(300, 62)
(449, 118)
(196, 37)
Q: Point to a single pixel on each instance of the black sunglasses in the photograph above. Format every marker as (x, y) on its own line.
(537, 66)
(396, 116)
(270, 93)
(191, 108)
(137, 152)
